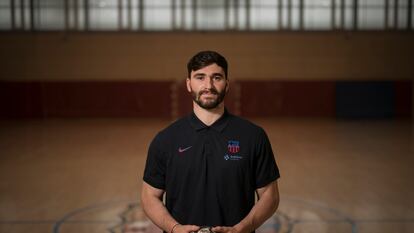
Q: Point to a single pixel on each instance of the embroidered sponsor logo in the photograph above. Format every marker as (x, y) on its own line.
(181, 150)
(232, 157)
(233, 146)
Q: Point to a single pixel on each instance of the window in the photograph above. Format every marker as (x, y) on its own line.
(165, 15)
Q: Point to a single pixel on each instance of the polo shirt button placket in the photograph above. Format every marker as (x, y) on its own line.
(207, 143)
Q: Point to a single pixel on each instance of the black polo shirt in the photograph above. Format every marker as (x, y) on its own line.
(210, 173)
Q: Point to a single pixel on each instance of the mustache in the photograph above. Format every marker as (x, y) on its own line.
(212, 91)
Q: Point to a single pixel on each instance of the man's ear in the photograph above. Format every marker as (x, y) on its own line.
(187, 81)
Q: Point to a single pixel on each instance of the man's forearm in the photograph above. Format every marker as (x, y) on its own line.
(264, 208)
(155, 209)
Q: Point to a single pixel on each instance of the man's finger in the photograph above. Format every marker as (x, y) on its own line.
(192, 228)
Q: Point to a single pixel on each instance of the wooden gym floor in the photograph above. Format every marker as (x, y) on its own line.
(84, 175)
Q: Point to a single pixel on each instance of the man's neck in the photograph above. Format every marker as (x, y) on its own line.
(208, 116)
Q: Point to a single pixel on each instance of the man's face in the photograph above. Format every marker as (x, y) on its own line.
(208, 86)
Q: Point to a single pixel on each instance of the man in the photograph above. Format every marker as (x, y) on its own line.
(210, 164)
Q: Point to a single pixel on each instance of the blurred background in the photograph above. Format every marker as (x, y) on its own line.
(86, 84)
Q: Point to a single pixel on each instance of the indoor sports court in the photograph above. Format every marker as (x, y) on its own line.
(85, 85)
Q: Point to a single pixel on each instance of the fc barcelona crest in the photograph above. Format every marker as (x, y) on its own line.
(233, 146)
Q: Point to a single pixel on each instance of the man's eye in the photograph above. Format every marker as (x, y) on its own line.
(218, 78)
(199, 77)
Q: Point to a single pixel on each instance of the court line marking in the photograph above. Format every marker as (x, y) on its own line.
(291, 222)
(269, 224)
(317, 204)
(83, 209)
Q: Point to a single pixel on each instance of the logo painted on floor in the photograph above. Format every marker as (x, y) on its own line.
(294, 215)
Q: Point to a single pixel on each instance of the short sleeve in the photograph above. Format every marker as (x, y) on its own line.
(266, 169)
(155, 167)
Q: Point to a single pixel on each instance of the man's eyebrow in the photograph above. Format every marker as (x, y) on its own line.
(204, 74)
(213, 75)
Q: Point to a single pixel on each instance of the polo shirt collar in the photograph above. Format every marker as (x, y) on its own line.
(218, 125)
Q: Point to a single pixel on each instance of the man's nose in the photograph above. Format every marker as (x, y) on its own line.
(208, 83)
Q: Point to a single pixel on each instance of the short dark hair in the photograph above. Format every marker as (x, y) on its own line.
(206, 58)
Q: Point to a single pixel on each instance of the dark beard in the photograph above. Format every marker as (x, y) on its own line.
(210, 104)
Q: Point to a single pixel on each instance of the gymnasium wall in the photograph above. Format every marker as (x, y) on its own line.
(120, 74)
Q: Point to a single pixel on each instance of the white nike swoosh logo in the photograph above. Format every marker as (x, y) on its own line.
(182, 150)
